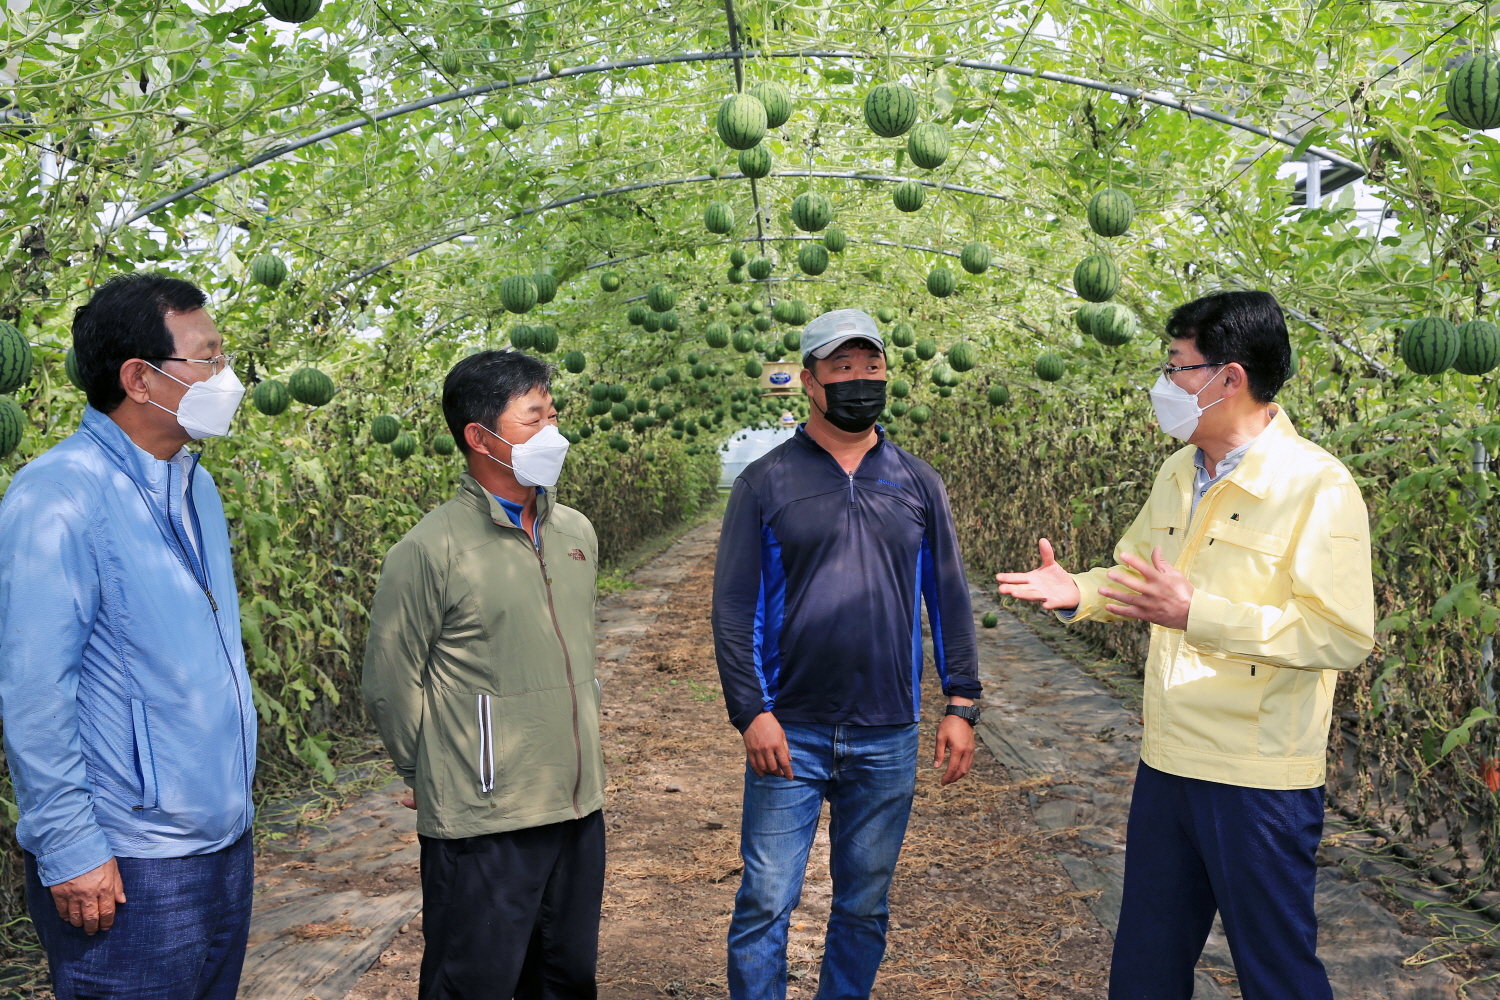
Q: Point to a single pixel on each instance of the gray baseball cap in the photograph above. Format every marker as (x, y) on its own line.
(831, 329)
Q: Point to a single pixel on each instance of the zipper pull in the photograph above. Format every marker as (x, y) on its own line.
(211, 602)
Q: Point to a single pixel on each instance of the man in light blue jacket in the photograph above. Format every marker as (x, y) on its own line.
(129, 726)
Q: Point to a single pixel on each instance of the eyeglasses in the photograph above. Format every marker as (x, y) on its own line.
(219, 363)
(1171, 369)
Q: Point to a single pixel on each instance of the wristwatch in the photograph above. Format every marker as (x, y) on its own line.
(969, 713)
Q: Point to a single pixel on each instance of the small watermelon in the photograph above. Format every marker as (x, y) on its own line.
(404, 445)
(661, 298)
(755, 162)
(890, 110)
(812, 211)
(718, 218)
(735, 276)
(609, 281)
(735, 309)
(512, 117)
(760, 268)
(928, 146)
(1096, 278)
(753, 368)
(919, 415)
(1085, 315)
(518, 294)
(944, 375)
(791, 340)
(575, 362)
(268, 270)
(664, 412)
(543, 339)
(292, 11)
(12, 425)
(784, 311)
(311, 386)
(1110, 212)
(657, 383)
(902, 335)
(271, 397)
(669, 321)
(900, 388)
(1049, 367)
(716, 335)
(70, 368)
(741, 121)
(15, 358)
(520, 337)
(444, 444)
(761, 323)
(635, 315)
(963, 356)
(1430, 345)
(885, 314)
(702, 306)
(990, 619)
(384, 428)
(900, 408)
(743, 341)
(738, 258)
(617, 393)
(834, 240)
(756, 307)
(453, 64)
(1113, 324)
(619, 412)
(927, 348)
(813, 258)
(1479, 347)
(776, 99)
(1474, 92)
(998, 395)
(975, 258)
(652, 322)
(546, 287)
(909, 355)
(673, 375)
(908, 196)
(940, 282)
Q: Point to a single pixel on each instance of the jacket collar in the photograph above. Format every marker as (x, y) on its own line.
(482, 500)
(806, 440)
(1257, 471)
(140, 465)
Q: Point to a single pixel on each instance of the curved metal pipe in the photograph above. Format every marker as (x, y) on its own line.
(488, 88)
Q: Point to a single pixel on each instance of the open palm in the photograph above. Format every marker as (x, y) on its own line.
(1049, 583)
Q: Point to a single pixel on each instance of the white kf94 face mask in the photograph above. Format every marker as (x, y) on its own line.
(538, 460)
(1177, 410)
(207, 407)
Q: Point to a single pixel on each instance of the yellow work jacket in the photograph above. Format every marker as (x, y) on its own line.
(1278, 554)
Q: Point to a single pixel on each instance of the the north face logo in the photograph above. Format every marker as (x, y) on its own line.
(578, 554)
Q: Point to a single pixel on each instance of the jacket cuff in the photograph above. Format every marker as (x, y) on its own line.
(964, 688)
(82, 855)
(1207, 618)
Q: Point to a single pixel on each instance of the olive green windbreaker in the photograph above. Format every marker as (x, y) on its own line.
(479, 668)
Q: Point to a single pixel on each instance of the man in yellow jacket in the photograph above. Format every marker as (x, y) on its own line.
(1251, 561)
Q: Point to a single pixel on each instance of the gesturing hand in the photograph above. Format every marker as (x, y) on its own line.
(89, 900)
(1158, 592)
(1048, 583)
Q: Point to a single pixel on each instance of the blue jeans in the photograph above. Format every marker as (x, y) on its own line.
(181, 936)
(868, 775)
(1194, 847)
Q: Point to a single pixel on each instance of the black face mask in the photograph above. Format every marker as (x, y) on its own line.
(853, 406)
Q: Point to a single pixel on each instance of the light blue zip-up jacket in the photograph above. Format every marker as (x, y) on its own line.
(129, 725)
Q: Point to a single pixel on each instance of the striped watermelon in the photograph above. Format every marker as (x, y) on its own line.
(384, 428)
(975, 258)
(1474, 92)
(718, 218)
(963, 356)
(609, 281)
(520, 337)
(902, 335)
(546, 287)
(744, 341)
(575, 362)
(998, 395)
(735, 309)
(404, 446)
(900, 388)
(885, 314)
(755, 161)
(512, 117)
(919, 414)
(791, 340)
(1430, 345)
(890, 110)
(311, 386)
(753, 368)
(669, 321)
(517, 294)
(1096, 278)
(737, 257)
(268, 270)
(812, 211)
(702, 306)
(813, 258)
(943, 375)
(444, 444)
(1084, 317)
(926, 348)
(652, 322)
(292, 11)
(1111, 212)
(1049, 367)
(940, 282)
(15, 358)
(716, 334)
(661, 298)
(1479, 347)
(761, 323)
(271, 397)
(900, 408)
(777, 101)
(70, 368)
(735, 276)
(741, 121)
(760, 268)
(834, 239)
(908, 196)
(453, 63)
(1113, 324)
(635, 315)
(928, 146)
(12, 425)
(543, 339)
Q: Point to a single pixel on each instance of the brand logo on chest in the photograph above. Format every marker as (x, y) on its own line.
(578, 554)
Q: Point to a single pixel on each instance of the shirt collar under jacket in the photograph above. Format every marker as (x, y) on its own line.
(1203, 482)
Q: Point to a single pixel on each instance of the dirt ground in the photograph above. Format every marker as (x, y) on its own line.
(980, 907)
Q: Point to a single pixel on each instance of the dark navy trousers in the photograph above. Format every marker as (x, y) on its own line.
(1194, 847)
(180, 936)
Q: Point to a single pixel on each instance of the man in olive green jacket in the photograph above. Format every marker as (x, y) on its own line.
(479, 674)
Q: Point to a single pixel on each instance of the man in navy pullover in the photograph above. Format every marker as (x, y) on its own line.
(829, 546)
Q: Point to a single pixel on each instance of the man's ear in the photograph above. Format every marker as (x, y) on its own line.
(475, 437)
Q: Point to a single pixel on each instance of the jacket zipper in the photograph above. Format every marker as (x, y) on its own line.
(851, 490)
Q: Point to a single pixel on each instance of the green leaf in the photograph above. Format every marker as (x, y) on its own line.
(1306, 141)
(1462, 732)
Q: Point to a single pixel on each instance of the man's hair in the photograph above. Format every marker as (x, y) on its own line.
(1244, 327)
(126, 318)
(856, 343)
(481, 386)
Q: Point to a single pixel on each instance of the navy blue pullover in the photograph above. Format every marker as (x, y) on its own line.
(817, 589)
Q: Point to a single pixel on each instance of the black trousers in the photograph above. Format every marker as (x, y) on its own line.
(513, 915)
